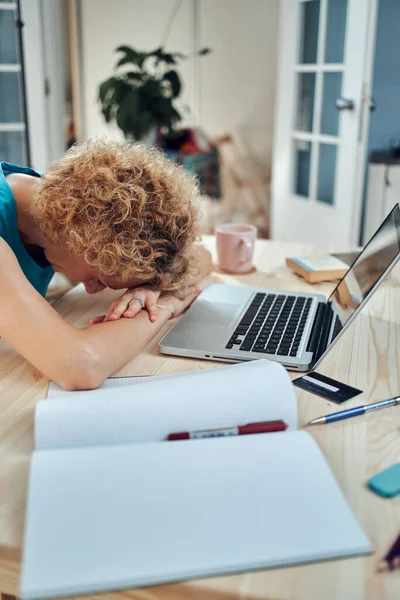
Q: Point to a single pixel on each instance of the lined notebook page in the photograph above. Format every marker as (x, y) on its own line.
(151, 409)
(125, 516)
(56, 391)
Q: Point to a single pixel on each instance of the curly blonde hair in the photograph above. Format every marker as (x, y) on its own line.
(126, 209)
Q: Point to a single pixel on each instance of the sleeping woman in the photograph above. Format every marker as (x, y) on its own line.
(106, 214)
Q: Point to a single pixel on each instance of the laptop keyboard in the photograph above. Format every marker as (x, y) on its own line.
(273, 324)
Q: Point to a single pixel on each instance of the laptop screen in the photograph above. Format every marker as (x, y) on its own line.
(367, 269)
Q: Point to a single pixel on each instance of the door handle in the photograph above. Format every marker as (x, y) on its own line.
(344, 104)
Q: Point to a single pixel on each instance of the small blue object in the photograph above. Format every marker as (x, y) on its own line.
(360, 410)
(345, 414)
(387, 482)
(302, 264)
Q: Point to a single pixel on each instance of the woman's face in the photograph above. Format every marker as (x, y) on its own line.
(77, 269)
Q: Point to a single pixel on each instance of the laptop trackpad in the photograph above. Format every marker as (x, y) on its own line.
(214, 313)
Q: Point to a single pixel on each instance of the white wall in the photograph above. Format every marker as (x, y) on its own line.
(234, 90)
(238, 79)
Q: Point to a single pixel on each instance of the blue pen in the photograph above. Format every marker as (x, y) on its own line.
(354, 412)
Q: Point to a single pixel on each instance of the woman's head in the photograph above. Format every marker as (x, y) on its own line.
(126, 212)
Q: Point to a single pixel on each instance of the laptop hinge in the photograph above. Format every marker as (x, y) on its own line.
(325, 331)
(318, 330)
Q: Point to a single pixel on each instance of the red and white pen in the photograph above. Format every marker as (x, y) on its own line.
(262, 427)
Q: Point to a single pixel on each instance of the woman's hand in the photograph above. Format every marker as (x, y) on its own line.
(126, 306)
(178, 304)
(203, 263)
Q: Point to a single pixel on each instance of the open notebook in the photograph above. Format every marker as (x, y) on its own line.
(113, 505)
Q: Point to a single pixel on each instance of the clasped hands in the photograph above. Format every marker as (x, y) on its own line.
(134, 300)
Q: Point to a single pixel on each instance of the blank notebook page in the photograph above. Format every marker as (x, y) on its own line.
(124, 516)
(151, 409)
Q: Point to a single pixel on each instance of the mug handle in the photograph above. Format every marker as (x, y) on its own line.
(246, 250)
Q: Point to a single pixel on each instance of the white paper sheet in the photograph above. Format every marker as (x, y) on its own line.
(149, 410)
(56, 391)
(124, 516)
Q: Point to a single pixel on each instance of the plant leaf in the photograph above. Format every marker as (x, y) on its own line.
(127, 111)
(178, 55)
(133, 116)
(165, 57)
(173, 78)
(124, 60)
(175, 115)
(122, 88)
(137, 75)
(166, 114)
(152, 88)
(125, 49)
(106, 97)
(144, 124)
(204, 51)
(131, 56)
(105, 88)
(157, 51)
(161, 108)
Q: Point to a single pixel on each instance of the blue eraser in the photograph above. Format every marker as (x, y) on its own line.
(387, 482)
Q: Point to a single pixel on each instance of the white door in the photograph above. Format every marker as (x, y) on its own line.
(324, 72)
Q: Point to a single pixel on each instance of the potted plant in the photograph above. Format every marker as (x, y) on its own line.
(140, 95)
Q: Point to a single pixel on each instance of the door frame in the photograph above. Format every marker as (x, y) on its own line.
(362, 162)
(285, 97)
(44, 60)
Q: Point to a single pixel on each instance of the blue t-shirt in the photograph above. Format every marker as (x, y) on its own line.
(38, 276)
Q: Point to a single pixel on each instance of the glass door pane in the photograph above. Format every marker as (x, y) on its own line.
(309, 20)
(302, 162)
(12, 147)
(8, 38)
(13, 136)
(305, 101)
(319, 77)
(10, 105)
(335, 31)
(332, 84)
(306, 90)
(326, 173)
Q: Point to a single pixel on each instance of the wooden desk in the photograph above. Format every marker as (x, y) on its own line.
(368, 357)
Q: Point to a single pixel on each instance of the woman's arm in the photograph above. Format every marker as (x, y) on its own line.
(74, 358)
(202, 263)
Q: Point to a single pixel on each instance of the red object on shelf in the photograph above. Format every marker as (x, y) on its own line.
(188, 148)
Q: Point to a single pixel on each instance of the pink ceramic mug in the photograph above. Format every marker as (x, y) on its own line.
(235, 247)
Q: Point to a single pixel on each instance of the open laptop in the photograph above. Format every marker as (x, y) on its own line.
(238, 323)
